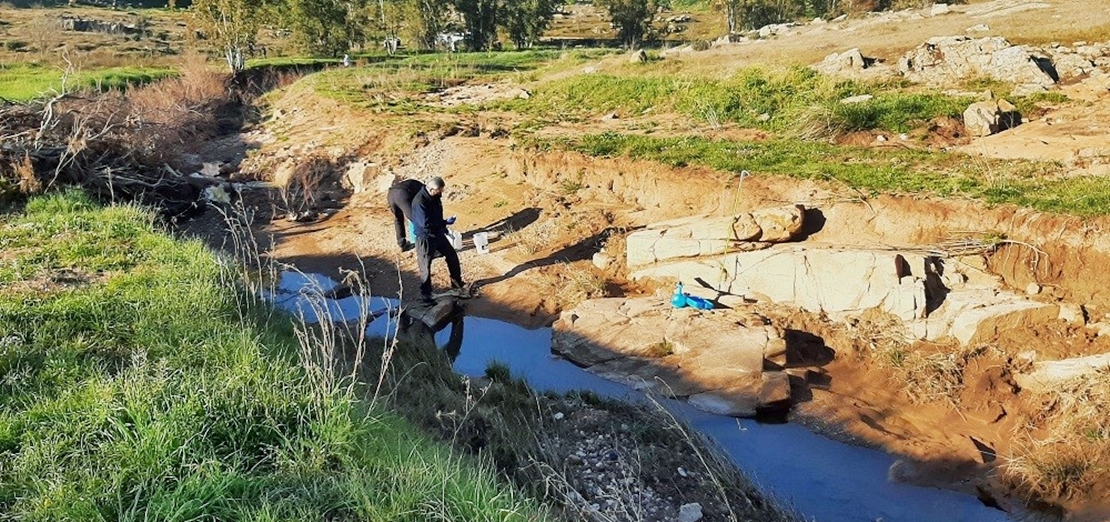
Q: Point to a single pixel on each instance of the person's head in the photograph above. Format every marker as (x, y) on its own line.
(435, 186)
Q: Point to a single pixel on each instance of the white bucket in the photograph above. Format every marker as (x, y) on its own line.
(481, 242)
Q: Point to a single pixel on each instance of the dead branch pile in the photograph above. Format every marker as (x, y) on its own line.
(121, 147)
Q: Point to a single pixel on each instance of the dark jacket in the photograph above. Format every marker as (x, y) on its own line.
(427, 215)
(410, 188)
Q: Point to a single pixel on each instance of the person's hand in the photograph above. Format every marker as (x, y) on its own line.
(450, 220)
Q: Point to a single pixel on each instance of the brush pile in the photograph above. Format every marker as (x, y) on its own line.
(118, 146)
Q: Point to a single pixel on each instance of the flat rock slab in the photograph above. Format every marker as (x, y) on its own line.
(434, 316)
(717, 355)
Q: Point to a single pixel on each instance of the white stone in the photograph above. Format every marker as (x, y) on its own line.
(1032, 289)
(780, 223)
(689, 513)
(939, 9)
(984, 118)
(857, 99)
(1072, 314)
(602, 260)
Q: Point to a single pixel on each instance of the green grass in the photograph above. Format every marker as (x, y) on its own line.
(23, 82)
(789, 101)
(1023, 183)
(137, 391)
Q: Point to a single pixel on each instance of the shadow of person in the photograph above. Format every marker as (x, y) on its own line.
(517, 221)
(417, 332)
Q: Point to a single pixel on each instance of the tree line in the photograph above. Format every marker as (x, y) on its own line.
(336, 27)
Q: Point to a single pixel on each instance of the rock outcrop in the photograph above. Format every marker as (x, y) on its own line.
(1048, 375)
(934, 300)
(949, 59)
(716, 358)
(701, 235)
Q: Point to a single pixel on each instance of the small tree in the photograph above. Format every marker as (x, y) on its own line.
(480, 19)
(425, 20)
(328, 27)
(526, 20)
(231, 26)
(732, 9)
(632, 18)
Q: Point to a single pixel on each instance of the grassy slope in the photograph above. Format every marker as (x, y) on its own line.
(796, 106)
(143, 394)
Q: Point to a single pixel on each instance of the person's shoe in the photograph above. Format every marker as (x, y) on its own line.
(427, 299)
(458, 285)
(406, 246)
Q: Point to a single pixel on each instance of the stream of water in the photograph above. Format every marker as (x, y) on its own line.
(824, 480)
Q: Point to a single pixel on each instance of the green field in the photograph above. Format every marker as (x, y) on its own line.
(24, 82)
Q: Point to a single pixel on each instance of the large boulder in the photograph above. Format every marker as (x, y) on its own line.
(780, 223)
(716, 358)
(988, 117)
(949, 59)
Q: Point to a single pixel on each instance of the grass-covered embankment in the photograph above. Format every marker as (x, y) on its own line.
(133, 388)
(900, 171)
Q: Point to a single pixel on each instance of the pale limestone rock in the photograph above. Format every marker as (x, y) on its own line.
(645, 343)
(950, 59)
(602, 260)
(1072, 314)
(1048, 375)
(984, 118)
(983, 322)
(781, 223)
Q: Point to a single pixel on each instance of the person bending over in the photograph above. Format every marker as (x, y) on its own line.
(431, 237)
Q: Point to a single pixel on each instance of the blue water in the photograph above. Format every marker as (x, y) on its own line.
(824, 480)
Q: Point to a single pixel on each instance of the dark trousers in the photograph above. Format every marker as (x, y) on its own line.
(426, 249)
(402, 210)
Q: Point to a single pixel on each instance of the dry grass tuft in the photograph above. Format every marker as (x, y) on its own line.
(578, 283)
(1073, 453)
(534, 238)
